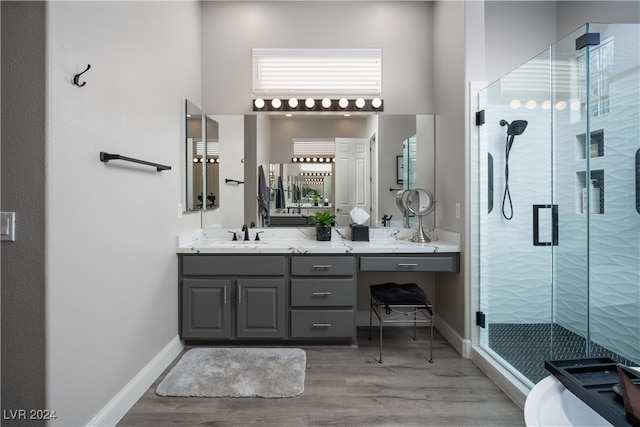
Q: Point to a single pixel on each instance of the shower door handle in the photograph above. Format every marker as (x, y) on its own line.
(536, 225)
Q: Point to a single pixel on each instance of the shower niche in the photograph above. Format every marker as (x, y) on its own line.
(590, 192)
(595, 147)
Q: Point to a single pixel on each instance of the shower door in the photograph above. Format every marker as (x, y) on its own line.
(558, 224)
(527, 219)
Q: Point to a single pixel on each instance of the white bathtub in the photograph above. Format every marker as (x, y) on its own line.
(550, 404)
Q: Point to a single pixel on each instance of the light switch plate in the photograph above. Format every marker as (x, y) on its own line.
(8, 226)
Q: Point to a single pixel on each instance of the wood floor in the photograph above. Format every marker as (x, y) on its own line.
(346, 386)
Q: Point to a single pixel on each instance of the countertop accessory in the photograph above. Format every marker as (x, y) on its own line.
(420, 203)
(105, 157)
(77, 77)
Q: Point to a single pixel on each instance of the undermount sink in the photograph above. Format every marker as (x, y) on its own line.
(238, 243)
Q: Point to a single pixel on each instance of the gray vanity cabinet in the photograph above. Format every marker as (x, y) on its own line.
(232, 297)
(323, 290)
(205, 309)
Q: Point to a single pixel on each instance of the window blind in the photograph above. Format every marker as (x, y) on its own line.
(314, 72)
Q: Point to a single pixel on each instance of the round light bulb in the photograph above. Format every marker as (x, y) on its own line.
(309, 103)
(326, 103)
(276, 103)
(293, 103)
(359, 103)
(294, 159)
(376, 103)
(343, 103)
(259, 103)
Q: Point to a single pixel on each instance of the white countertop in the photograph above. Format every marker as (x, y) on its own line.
(303, 240)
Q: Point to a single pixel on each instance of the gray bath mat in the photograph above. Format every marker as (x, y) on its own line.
(237, 372)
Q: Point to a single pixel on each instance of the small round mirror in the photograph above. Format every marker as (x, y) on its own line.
(420, 202)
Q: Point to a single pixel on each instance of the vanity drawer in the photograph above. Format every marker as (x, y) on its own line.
(322, 292)
(237, 265)
(322, 265)
(322, 323)
(439, 262)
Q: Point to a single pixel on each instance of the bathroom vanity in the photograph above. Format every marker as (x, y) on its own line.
(291, 288)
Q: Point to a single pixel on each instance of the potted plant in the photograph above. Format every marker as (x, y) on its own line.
(324, 221)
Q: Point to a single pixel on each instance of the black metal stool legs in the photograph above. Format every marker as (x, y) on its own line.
(392, 303)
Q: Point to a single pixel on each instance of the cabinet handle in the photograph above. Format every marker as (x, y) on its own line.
(407, 265)
(239, 294)
(322, 266)
(322, 325)
(321, 294)
(225, 294)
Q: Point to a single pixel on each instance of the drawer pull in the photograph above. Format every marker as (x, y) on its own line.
(322, 325)
(225, 294)
(322, 266)
(407, 265)
(322, 294)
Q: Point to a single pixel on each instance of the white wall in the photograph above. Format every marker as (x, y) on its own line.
(516, 31)
(571, 14)
(396, 27)
(111, 228)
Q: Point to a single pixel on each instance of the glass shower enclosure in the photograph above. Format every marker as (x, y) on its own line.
(557, 212)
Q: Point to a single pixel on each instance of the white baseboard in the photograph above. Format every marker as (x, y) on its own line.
(461, 345)
(508, 383)
(122, 402)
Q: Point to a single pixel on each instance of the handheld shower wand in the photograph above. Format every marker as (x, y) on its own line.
(514, 128)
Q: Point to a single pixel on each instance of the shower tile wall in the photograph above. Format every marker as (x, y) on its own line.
(614, 237)
(519, 274)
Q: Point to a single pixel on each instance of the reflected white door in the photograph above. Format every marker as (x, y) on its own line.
(352, 178)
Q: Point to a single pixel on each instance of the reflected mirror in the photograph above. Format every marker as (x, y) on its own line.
(202, 160)
(212, 173)
(195, 177)
(298, 190)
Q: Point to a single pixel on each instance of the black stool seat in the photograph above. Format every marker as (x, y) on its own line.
(396, 294)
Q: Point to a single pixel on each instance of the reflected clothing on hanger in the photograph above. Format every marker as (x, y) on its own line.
(263, 198)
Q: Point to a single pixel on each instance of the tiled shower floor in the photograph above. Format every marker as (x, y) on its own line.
(526, 346)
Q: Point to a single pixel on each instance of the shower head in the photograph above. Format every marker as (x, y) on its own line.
(516, 127)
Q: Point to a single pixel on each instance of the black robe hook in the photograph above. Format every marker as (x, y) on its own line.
(77, 76)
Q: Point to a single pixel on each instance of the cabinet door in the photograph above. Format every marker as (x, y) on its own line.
(206, 309)
(260, 308)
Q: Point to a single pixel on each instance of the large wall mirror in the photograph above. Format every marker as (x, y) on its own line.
(268, 141)
(202, 160)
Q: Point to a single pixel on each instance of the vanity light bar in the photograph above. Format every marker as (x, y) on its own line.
(318, 104)
(315, 173)
(313, 160)
(201, 160)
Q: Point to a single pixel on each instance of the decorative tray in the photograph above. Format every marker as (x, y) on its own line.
(593, 380)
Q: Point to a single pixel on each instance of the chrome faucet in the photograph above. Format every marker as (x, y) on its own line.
(246, 232)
